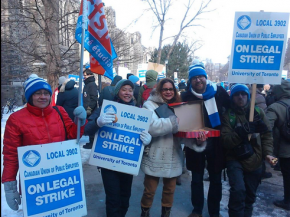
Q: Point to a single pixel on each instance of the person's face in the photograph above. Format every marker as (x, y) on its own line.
(86, 76)
(240, 98)
(167, 91)
(198, 83)
(126, 93)
(41, 98)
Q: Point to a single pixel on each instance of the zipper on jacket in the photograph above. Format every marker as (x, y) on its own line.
(49, 137)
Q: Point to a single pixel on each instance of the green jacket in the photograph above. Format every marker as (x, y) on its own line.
(276, 114)
(151, 80)
(262, 144)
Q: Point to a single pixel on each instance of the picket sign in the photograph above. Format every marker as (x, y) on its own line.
(258, 50)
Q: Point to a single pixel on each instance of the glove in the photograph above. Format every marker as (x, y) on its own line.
(12, 196)
(261, 127)
(89, 111)
(81, 114)
(145, 138)
(105, 118)
(245, 129)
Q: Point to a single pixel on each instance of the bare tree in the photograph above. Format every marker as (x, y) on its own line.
(41, 33)
(160, 10)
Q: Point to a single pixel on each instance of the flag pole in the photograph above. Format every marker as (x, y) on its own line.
(80, 101)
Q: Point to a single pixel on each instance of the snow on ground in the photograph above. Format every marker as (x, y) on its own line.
(5, 209)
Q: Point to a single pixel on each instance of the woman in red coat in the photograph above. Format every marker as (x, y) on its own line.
(37, 123)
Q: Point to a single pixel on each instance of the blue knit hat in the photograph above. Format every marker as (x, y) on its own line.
(133, 78)
(239, 87)
(195, 70)
(33, 84)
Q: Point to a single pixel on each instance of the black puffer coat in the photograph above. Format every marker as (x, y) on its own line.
(68, 97)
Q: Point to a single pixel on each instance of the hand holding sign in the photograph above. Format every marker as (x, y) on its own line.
(105, 118)
(145, 138)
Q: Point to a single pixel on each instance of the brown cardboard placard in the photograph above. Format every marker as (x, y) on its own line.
(155, 66)
(191, 120)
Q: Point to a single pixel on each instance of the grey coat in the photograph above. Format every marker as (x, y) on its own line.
(276, 114)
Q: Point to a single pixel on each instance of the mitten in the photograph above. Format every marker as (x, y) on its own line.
(12, 196)
(105, 118)
(145, 138)
(81, 114)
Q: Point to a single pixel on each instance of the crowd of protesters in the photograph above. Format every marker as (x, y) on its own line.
(227, 111)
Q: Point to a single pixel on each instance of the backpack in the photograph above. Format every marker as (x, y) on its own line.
(285, 128)
(146, 92)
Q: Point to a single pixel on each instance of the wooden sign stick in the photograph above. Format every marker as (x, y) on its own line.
(253, 100)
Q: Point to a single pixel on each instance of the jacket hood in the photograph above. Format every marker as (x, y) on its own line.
(151, 75)
(155, 97)
(67, 85)
(116, 79)
(282, 91)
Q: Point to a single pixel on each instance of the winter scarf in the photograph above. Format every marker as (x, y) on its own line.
(209, 101)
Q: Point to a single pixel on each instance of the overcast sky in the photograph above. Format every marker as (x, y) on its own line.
(218, 25)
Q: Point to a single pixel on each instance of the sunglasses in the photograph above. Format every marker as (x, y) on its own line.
(167, 89)
(200, 77)
(240, 93)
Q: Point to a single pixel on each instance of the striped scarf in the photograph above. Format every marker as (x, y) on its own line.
(209, 102)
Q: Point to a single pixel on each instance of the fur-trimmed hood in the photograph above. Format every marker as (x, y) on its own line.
(67, 85)
(155, 97)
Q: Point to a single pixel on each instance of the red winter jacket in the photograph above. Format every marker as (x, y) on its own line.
(33, 126)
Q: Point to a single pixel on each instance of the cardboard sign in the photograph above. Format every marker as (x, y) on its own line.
(258, 47)
(155, 66)
(117, 146)
(191, 122)
(52, 179)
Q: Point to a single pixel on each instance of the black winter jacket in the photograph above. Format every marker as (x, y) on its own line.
(193, 159)
(90, 94)
(68, 98)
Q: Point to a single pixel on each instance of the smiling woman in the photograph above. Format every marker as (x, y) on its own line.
(37, 123)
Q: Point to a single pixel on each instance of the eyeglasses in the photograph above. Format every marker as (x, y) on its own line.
(240, 93)
(167, 89)
(39, 93)
(200, 77)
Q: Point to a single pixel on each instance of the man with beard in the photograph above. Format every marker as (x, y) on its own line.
(244, 158)
(216, 100)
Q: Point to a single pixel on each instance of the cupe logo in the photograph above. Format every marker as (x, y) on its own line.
(110, 109)
(244, 22)
(31, 158)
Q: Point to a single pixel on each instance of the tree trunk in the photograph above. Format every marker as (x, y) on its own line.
(52, 41)
(160, 43)
(173, 44)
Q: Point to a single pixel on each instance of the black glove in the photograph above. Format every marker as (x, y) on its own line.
(261, 127)
(245, 129)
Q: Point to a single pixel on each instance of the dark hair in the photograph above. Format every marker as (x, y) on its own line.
(159, 87)
(88, 72)
(129, 74)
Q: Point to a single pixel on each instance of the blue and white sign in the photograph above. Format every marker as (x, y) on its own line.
(117, 146)
(258, 47)
(74, 77)
(142, 69)
(52, 179)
